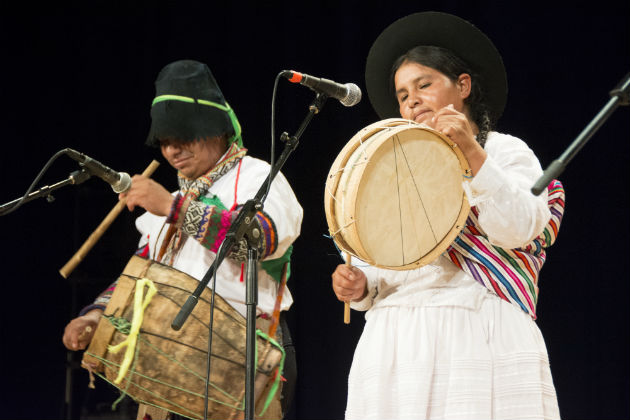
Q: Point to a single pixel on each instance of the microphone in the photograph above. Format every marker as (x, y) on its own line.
(348, 94)
(120, 181)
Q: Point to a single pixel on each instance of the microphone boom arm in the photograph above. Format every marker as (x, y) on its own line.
(620, 96)
(75, 178)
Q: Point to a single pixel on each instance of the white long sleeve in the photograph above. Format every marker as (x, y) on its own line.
(509, 213)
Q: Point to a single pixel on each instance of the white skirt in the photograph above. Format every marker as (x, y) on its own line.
(449, 362)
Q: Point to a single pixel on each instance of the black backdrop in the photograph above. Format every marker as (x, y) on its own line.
(83, 78)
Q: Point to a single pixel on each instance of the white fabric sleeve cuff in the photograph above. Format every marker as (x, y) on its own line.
(485, 183)
(371, 274)
(366, 303)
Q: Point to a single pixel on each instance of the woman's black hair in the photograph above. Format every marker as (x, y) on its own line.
(452, 67)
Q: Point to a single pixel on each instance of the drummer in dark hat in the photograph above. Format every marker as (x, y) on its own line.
(456, 338)
(200, 136)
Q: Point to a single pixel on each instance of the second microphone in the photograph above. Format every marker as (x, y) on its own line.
(348, 94)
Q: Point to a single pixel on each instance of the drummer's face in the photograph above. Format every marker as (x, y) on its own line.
(421, 91)
(194, 158)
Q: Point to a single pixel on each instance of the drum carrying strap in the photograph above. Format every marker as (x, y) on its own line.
(275, 317)
(139, 305)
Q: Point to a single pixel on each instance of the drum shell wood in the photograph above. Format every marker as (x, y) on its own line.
(171, 361)
(359, 205)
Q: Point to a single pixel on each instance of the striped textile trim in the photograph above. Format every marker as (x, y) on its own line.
(270, 234)
(101, 300)
(208, 224)
(212, 227)
(510, 273)
(176, 207)
(269, 237)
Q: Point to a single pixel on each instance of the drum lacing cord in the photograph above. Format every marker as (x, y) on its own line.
(130, 382)
(333, 234)
(124, 326)
(330, 193)
(363, 162)
(342, 169)
(132, 330)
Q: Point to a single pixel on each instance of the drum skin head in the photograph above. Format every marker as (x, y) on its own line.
(398, 201)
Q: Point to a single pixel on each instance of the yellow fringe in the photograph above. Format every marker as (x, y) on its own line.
(138, 314)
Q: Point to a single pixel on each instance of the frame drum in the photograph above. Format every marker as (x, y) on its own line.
(394, 196)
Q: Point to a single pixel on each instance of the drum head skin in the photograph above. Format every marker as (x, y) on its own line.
(398, 200)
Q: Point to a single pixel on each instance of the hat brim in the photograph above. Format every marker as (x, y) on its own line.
(439, 30)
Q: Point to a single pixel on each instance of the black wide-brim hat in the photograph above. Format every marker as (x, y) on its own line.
(439, 30)
(180, 111)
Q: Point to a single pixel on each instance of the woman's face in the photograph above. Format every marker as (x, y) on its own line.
(422, 91)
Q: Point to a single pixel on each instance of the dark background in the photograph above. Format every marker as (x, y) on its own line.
(82, 77)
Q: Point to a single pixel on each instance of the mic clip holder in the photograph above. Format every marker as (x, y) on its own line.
(285, 137)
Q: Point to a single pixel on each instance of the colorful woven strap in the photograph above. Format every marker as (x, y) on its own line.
(510, 273)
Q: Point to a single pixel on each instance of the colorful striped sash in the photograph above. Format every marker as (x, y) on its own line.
(510, 273)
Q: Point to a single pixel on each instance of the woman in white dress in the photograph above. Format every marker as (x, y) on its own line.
(456, 339)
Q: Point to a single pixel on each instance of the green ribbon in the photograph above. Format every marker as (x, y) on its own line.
(225, 108)
(276, 382)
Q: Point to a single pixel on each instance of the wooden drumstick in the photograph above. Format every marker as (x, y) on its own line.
(98, 232)
(85, 332)
(346, 305)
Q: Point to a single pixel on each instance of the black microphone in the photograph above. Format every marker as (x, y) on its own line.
(348, 94)
(120, 181)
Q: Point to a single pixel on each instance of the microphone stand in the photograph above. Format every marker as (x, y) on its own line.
(243, 227)
(620, 96)
(75, 178)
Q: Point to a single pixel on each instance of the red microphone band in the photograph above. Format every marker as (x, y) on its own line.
(295, 77)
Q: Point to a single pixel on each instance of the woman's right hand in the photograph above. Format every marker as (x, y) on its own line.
(349, 283)
(80, 330)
